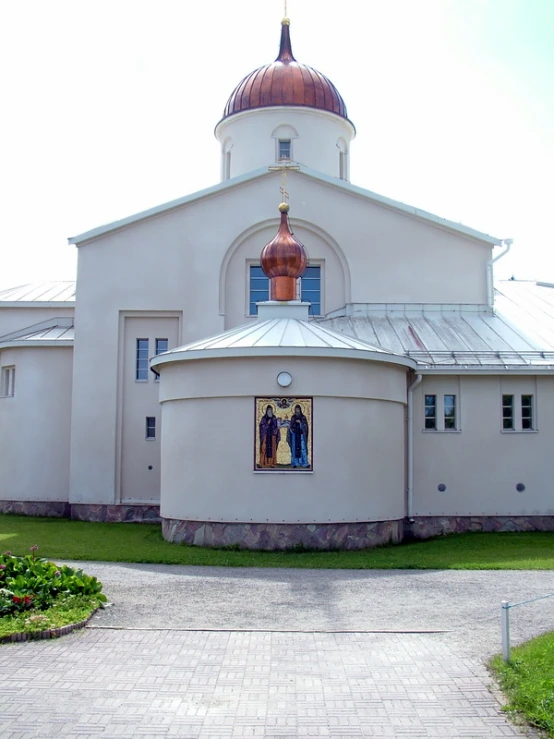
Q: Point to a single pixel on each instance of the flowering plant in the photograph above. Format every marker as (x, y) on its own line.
(33, 583)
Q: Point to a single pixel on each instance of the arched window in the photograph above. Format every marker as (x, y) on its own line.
(284, 136)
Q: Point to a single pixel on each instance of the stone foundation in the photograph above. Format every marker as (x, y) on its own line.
(115, 513)
(280, 536)
(83, 511)
(273, 536)
(50, 509)
(424, 527)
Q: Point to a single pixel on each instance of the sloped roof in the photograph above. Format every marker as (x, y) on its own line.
(287, 337)
(303, 171)
(53, 332)
(518, 336)
(40, 292)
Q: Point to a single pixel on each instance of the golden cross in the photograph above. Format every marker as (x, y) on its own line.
(284, 166)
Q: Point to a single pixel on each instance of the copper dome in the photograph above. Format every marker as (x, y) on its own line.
(283, 260)
(285, 82)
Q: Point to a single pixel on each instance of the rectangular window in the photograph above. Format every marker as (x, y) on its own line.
(150, 427)
(527, 412)
(449, 412)
(507, 411)
(141, 371)
(309, 289)
(259, 288)
(284, 149)
(430, 411)
(161, 346)
(8, 382)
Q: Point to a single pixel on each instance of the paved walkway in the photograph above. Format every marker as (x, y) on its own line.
(129, 681)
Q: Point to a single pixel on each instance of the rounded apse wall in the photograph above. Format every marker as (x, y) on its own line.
(214, 491)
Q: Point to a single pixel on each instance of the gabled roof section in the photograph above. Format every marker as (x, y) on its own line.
(40, 292)
(53, 332)
(335, 182)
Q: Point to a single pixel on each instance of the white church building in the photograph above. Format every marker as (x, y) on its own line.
(396, 391)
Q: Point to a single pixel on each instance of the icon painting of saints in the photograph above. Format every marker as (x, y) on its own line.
(283, 434)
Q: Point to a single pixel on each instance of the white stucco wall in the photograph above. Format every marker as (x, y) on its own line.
(208, 437)
(17, 318)
(481, 464)
(192, 260)
(250, 139)
(34, 425)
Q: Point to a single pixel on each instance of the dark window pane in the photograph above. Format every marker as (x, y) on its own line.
(141, 371)
(284, 149)
(150, 427)
(161, 345)
(527, 412)
(310, 289)
(430, 423)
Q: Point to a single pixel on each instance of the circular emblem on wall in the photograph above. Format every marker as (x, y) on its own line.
(284, 379)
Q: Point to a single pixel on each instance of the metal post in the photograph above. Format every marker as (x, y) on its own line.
(505, 623)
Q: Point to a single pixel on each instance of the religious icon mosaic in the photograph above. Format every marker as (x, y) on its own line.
(283, 433)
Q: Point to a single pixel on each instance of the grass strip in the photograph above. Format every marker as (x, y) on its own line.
(143, 543)
(65, 610)
(528, 681)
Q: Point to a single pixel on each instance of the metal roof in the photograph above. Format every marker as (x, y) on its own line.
(53, 332)
(285, 336)
(40, 292)
(518, 336)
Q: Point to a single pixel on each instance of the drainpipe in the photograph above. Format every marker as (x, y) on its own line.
(490, 279)
(411, 389)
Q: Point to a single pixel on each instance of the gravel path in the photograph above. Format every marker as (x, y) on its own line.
(465, 604)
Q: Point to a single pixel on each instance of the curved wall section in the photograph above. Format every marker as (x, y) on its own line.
(208, 437)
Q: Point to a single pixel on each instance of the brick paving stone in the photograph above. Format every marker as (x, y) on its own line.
(232, 685)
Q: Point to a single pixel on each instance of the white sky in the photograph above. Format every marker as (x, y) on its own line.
(108, 108)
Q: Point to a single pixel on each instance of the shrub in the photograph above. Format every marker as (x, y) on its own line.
(32, 583)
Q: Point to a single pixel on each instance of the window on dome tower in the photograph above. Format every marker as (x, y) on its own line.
(285, 149)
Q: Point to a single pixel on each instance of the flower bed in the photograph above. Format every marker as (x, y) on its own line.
(39, 598)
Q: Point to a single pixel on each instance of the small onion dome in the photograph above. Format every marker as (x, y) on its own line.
(283, 260)
(285, 82)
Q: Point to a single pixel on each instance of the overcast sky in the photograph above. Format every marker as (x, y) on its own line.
(108, 108)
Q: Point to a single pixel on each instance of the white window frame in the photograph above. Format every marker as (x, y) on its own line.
(8, 382)
(311, 263)
(138, 359)
(517, 413)
(440, 407)
(148, 427)
(279, 157)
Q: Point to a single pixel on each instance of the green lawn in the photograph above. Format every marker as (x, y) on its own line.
(528, 681)
(111, 542)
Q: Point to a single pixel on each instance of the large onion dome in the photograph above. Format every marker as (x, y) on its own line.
(285, 82)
